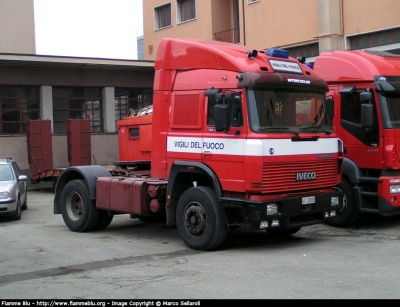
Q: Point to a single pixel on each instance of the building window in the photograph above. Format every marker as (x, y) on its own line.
(17, 105)
(186, 10)
(162, 16)
(77, 103)
(128, 100)
(374, 39)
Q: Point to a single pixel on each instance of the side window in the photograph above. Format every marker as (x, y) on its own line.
(350, 119)
(351, 108)
(17, 171)
(210, 111)
(235, 107)
(237, 114)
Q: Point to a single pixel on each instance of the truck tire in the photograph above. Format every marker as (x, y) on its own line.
(349, 215)
(200, 219)
(105, 219)
(78, 210)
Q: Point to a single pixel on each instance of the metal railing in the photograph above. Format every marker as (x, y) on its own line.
(229, 36)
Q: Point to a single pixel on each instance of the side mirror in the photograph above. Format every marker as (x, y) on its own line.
(22, 177)
(365, 96)
(367, 110)
(367, 113)
(222, 119)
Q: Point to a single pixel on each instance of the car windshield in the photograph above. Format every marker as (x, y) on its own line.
(5, 172)
(287, 111)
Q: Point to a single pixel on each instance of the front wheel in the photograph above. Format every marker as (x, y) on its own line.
(25, 204)
(17, 215)
(200, 219)
(77, 208)
(348, 215)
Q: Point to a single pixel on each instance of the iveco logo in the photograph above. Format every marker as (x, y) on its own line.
(306, 176)
(324, 156)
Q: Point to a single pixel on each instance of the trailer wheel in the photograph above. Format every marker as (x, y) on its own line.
(349, 215)
(78, 210)
(105, 219)
(200, 219)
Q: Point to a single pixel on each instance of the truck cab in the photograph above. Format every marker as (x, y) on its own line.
(364, 87)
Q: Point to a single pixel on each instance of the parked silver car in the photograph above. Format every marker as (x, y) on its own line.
(13, 189)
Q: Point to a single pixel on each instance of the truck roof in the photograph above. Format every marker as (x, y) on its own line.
(349, 65)
(182, 54)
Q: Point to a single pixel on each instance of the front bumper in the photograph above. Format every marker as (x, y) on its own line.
(7, 207)
(288, 212)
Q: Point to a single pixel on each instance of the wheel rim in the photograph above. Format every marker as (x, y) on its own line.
(195, 219)
(74, 206)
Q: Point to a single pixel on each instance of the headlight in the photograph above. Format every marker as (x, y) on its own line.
(334, 200)
(4, 195)
(340, 146)
(394, 189)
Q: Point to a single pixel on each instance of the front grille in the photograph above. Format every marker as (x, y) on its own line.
(281, 177)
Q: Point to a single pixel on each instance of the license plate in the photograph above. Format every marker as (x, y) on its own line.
(308, 200)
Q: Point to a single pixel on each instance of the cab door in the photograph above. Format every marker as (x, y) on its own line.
(224, 151)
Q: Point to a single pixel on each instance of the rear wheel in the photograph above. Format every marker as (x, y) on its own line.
(77, 208)
(105, 219)
(348, 215)
(200, 219)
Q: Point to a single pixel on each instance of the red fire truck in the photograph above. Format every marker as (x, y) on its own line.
(365, 91)
(237, 138)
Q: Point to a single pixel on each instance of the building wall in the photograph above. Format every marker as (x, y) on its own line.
(17, 27)
(278, 23)
(201, 27)
(361, 16)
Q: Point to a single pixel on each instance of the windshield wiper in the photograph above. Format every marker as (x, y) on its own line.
(314, 128)
(278, 128)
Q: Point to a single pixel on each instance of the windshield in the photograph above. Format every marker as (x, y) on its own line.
(284, 111)
(5, 172)
(390, 106)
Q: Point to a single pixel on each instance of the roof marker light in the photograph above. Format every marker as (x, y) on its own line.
(280, 53)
